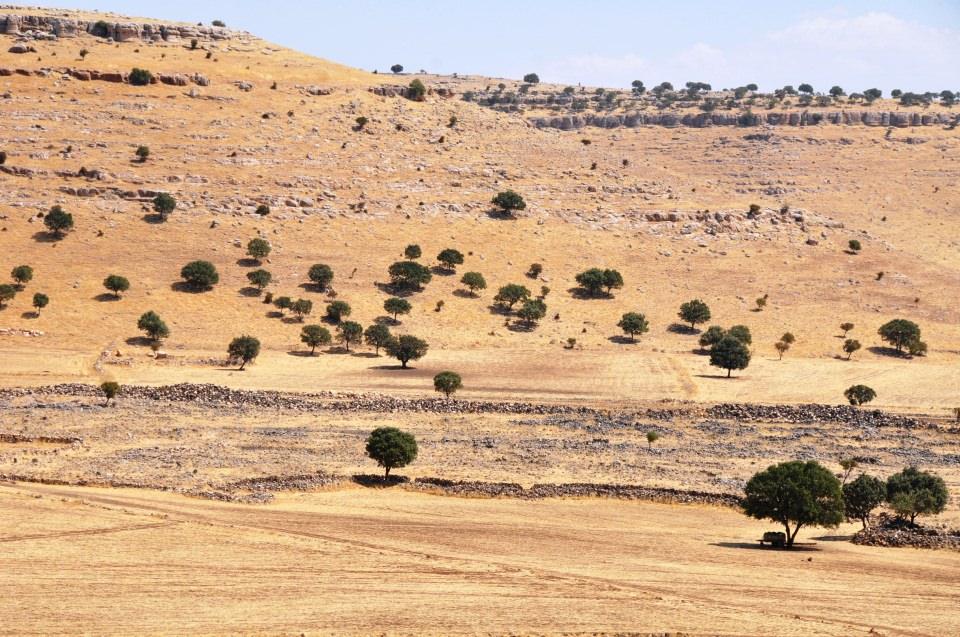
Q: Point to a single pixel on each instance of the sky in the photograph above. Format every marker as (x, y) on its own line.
(856, 44)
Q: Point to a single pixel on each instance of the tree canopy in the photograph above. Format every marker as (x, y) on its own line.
(633, 323)
(730, 353)
(406, 348)
(201, 275)
(694, 312)
(391, 448)
(409, 274)
(244, 349)
(913, 492)
(447, 382)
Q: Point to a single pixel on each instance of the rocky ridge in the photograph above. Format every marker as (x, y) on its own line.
(43, 27)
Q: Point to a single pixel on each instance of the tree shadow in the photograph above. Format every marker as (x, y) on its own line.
(30, 315)
(364, 354)
(250, 291)
(680, 328)
(189, 288)
(699, 351)
(386, 320)
(756, 546)
(622, 340)
(338, 349)
(139, 341)
(465, 294)
(47, 237)
(153, 218)
(274, 314)
(378, 481)
(292, 320)
(499, 310)
(439, 270)
(401, 291)
(833, 538)
(501, 215)
(717, 376)
(313, 287)
(521, 326)
(585, 294)
(106, 297)
(247, 262)
(301, 353)
(880, 350)
(409, 367)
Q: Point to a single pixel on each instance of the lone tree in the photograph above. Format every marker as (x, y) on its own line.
(338, 310)
(143, 153)
(263, 210)
(416, 91)
(694, 312)
(259, 278)
(711, 337)
(116, 284)
(200, 275)
(781, 346)
(409, 275)
(391, 448)
(349, 332)
(854, 246)
(40, 301)
(633, 323)
(58, 222)
(7, 292)
(859, 395)
(397, 68)
(154, 327)
(164, 204)
(321, 275)
(862, 496)
(474, 281)
(243, 349)
(900, 333)
(301, 307)
(447, 382)
(377, 336)
(259, 249)
(532, 311)
(140, 77)
(509, 202)
(652, 437)
(412, 251)
(110, 390)
(913, 492)
(850, 346)
(313, 336)
(511, 294)
(531, 78)
(846, 327)
(595, 280)
(730, 354)
(406, 348)
(449, 259)
(795, 493)
(22, 274)
(394, 306)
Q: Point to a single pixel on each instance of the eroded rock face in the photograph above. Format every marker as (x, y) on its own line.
(37, 25)
(703, 120)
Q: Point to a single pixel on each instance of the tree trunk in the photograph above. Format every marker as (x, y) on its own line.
(403, 364)
(386, 473)
(791, 538)
(243, 363)
(729, 371)
(313, 349)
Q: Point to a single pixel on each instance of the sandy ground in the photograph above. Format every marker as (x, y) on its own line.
(360, 562)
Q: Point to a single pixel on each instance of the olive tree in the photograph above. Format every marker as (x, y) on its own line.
(110, 389)
(795, 494)
(474, 281)
(511, 294)
(412, 251)
(899, 333)
(846, 327)
(850, 346)
(532, 311)
(40, 301)
(7, 292)
(409, 275)
(694, 312)
(508, 201)
(313, 336)
(391, 448)
(116, 284)
(349, 332)
(321, 275)
(200, 275)
(259, 278)
(859, 394)
(396, 306)
(406, 348)
(913, 492)
(712, 336)
(22, 274)
(154, 327)
(862, 496)
(243, 349)
(258, 248)
(164, 204)
(301, 307)
(338, 310)
(633, 323)
(730, 353)
(447, 383)
(377, 336)
(595, 280)
(58, 221)
(449, 259)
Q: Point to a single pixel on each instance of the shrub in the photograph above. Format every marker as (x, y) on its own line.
(263, 210)
(532, 311)
(349, 332)
(409, 274)
(913, 492)
(143, 152)
(22, 274)
(40, 301)
(762, 302)
(140, 77)
(788, 338)
(450, 258)
(712, 336)
(730, 353)
(164, 204)
(652, 437)
(859, 394)
(154, 327)
(338, 310)
(416, 91)
(694, 312)
(509, 201)
(406, 348)
(899, 333)
(101, 29)
(781, 347)
(474, 281)
(447, 382)
(116, 284)
(850, 346)
(377, 336)
(391, 448)
(219, 23)
(7, 292)
(511, 294)
(314, 336)
(633, 323)
(854, 245)
(412, 251)
(58, 221)
(320, 275)
(395, 306)
(535, 270)
(795, 493)
(862, 496)
(259, 278)
(846, 327)
(397, 68)
(531, 78)
(201, 275)
(258, 248)
(361, 122)
(741, 333)
(301, 307)
(110, 390)
(243, 349)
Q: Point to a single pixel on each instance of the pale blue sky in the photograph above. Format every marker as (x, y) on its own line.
(857, 44)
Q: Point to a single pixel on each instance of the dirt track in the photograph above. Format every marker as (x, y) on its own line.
(357, 561)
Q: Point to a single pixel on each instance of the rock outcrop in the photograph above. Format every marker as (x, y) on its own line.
(899, 119)
(44, 27)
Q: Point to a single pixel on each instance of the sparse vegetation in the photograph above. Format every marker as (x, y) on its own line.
(730, 353)
(259, 278)
(377, 336)
(349, 332)
(416, 91)
(532, 311)
(846, 327)
(511, 294)
(140, 77)
(21, 275)
(302, 308)
(850, 346)
(116, 284)
(449, 259)
(143, 153)
(109, 389)
(412, 252)
(594, 281)
(652, 437)
(7, 293)
(409, 275)
(40, 301)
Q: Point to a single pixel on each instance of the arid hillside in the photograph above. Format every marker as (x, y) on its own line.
(236, 123)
